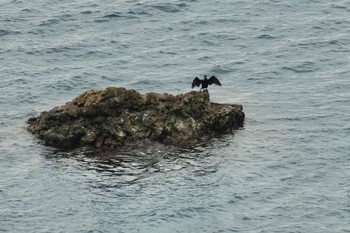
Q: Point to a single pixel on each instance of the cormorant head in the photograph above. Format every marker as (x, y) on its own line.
(205, 76)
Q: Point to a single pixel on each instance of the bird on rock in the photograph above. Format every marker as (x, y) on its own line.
(205, 82)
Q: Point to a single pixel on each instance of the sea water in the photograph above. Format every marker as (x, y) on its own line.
(286, 62)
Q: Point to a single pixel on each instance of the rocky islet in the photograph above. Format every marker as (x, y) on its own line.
(116, 116)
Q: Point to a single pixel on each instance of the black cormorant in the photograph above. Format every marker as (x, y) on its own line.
(205, 82)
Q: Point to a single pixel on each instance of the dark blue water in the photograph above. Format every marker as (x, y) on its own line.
(287, 62)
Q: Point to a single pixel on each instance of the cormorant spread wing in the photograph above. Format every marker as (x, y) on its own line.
(214, 80)
(196, 82)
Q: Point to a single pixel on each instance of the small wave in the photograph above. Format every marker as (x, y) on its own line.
(202, 22)
(227, 21)
(4, 32)
(207, 42)
(313, 117)
(338, 7)
(167, 52)
(169, 7)
(226, 36)
(222, 70)
(113, 15)
(58, 49)
(101, 20)
(305, 67)
(76, 82)
(26, 10)
(117, 15)
(266, 36)
(49, 22)
(341, 43)
(8, 32)
(111, 79)
(87, 12)
(237, 198)
(139, 12)
(34, 52)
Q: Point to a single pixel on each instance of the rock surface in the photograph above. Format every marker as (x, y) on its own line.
(115, 116)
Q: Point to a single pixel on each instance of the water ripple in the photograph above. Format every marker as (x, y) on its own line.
(266, 36)
(8, 32)
(305, 67)
(116, 15)
(169, 7)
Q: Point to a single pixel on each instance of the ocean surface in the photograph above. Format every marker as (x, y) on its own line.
(287, 63)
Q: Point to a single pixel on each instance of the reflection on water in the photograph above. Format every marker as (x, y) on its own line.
(135, 163)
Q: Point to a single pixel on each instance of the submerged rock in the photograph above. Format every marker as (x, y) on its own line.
(115, 116)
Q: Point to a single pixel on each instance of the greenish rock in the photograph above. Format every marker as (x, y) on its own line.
(116, 116)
